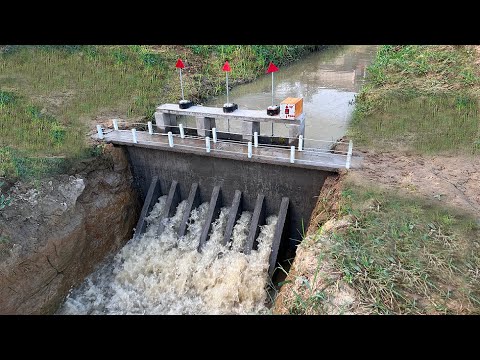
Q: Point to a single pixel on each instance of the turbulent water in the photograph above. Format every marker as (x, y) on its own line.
(167, 275)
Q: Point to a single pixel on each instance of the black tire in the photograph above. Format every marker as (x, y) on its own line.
(273, 110)
(231, 108)
(185, 105)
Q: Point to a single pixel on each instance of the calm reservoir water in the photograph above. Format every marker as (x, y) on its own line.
(326, 80)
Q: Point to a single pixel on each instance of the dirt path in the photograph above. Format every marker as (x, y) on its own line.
(451, 180)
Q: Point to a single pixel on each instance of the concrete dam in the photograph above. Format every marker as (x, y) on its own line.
(245, 171)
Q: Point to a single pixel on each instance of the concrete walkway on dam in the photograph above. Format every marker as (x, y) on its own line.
(279, 155)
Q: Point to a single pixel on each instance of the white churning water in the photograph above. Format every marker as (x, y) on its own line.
(167, 275)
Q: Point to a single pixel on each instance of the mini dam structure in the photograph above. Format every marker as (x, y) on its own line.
(245, 171)
(220, 211)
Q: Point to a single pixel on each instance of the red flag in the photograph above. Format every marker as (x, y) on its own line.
(226, 66)
(272, 68)
(179, 64)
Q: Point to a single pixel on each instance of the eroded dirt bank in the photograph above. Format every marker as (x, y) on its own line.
(57, 230)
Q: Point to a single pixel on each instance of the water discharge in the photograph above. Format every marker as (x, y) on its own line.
(167, 275)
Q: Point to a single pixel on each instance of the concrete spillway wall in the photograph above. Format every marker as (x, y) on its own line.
(300, 185)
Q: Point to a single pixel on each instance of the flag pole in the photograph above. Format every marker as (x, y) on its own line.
(272, 88)
(182, 104)
(228, 107)
(272, 110)
(226, 74)
(181, 83)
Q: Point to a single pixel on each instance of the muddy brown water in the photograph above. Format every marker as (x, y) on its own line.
(327, 81)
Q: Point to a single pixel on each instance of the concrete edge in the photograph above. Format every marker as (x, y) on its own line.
(212, 214)
(151, 198)
(192, 203)
(233, 215)
(278, 235)
(258, 219)
(172, 202)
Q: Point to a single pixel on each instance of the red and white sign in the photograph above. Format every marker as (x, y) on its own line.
(287, 111)
(291, 108)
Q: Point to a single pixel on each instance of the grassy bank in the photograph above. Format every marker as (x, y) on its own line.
(407, 255)
(383, 253)
(421, 99)
(51, 95)
(370, 250)
(403, 255)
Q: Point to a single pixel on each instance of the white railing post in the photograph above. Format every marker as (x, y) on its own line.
(115, 124)
(255, 139)
(349, 155)
(170, 139)
(182, 132)
(100, 132)
(292, 154)
(150, 128)
(207, 143)
(249, 149)
(300, 143)
(214, 133)
(134, 135)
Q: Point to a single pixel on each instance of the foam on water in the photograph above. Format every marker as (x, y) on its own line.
(167, 275)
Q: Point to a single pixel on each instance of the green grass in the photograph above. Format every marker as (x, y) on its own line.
(429, 68)
(405, 256)
(422, 99)
(250, 60)
(33, 143)
(433, 124)
(51, 96)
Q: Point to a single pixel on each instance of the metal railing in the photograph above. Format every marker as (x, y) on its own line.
(293, 158)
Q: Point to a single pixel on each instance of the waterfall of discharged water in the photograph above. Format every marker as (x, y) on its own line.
(167, 275)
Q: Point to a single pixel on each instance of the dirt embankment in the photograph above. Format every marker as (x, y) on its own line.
(54, 233)
(311, 274)
(451, 181)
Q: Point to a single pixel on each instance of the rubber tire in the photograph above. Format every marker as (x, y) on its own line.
(185, 105)
(229, 109)
(273, 112)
